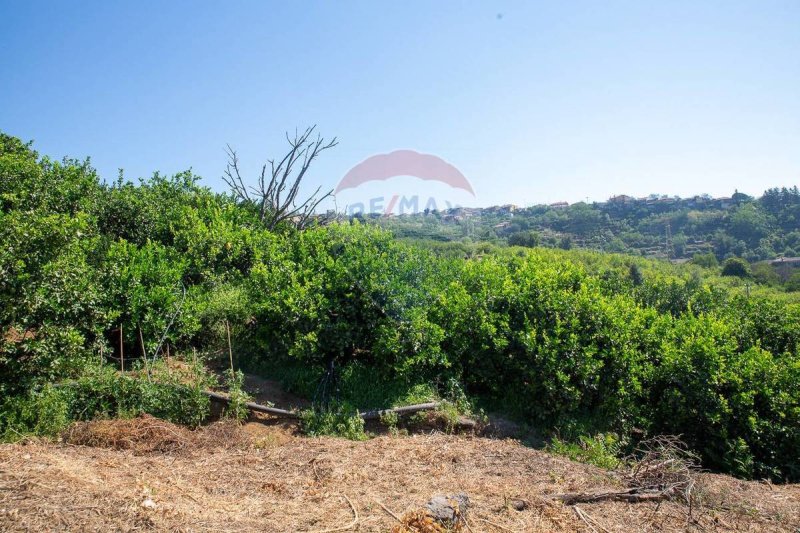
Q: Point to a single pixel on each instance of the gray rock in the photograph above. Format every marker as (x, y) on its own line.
(519, 505)
(448, 509)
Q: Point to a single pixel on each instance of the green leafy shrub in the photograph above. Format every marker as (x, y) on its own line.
(528, 239)
(236, 408)
(106, 393)
(706, 260)
(793, 284)
(449, 414)
(390, 419)
(43, 413)
(338, 420)
(602, 449)
(100, 393)
(737, 267)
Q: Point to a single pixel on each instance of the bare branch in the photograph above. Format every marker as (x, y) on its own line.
(275, 194)
(233, 177)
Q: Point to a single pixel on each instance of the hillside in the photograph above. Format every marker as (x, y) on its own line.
(757, 229)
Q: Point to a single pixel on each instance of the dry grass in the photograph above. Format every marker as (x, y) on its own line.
(150, 475)
(13, 335)
(146, 434)
(420, 522)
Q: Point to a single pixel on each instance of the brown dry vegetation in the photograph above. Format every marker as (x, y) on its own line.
(146, 474)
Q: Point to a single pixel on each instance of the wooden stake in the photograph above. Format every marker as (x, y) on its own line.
(121, 351)
(169, 367)
(230, 347)
(144, 353)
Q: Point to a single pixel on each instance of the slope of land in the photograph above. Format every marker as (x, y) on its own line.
(147, 474)
(656, 226)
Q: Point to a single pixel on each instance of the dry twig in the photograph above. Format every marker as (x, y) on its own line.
(588, 520)
(579, 513)
(662, 468)
(348, 526)
(389, 511)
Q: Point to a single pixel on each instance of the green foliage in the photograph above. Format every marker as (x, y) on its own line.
(602, 450)
(102, 393)
(390, 419)
(226, 306)
(347, 293)
(755, 229)
(43, 413)
(144, 290)
(734, 266)
(766, 274)
(365, 386)
(794, 282)
(105, 393)
(635, 275)
(339, 420)
(748, 223)
(528, 239)
(724, 400)
(49, 296)
(706, 260)
(236, 408)
(449, 414)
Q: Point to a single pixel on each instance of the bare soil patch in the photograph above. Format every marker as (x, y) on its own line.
(268, 391)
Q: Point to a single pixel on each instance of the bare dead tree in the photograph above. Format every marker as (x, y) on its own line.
(279, 182)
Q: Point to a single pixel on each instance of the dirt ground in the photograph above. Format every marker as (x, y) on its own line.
(149, 475)
(268, 391)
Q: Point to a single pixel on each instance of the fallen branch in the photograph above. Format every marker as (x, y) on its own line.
(389, 511)
(630, 496)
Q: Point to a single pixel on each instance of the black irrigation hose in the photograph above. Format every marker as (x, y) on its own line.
(367, 415)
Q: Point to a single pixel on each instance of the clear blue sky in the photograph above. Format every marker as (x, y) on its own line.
(533, 102)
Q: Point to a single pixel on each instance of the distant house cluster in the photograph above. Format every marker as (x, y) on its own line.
(705, 200)
(700, 201)
(461, 213)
